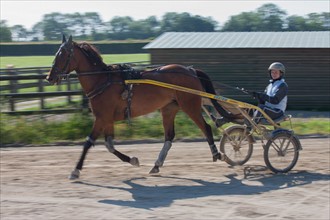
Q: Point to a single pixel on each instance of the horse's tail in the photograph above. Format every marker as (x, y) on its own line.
(209, 88)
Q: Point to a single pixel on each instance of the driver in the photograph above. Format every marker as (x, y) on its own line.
(273, 100)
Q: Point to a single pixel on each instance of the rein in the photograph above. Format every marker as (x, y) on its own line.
(64, 75)
(233, 87)
(100, 89)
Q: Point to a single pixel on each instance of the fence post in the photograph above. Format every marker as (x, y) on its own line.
(69, 89)
(41, 89)
(13, 86)
(85, 102)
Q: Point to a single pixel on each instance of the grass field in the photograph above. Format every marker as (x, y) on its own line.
(23, 130)
(45, 61)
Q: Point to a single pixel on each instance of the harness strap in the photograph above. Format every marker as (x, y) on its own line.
(98, 90)
(129, 101)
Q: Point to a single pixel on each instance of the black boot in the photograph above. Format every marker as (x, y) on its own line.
(221, 121)
(217, 157)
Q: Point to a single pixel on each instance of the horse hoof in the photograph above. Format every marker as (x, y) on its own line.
(74, 175)
(155, 169)
(134, 161)
(217, 157)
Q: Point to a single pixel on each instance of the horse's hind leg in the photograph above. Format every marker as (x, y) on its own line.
(195, 113)
(168, 113)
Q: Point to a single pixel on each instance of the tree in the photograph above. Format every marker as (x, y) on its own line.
(19, 33)
(169, 21)
(189, 23)
(5, 33)
(140, 30)
(54, 25)
(121, 24)
(119, 27)
(184, 22)
(89, 26)
(153, 26)
(76, 25)
(266, 18)
(92, 24)
(318, 22)
(272, 17)
(296, 23)
(246, 21)
(37, 34)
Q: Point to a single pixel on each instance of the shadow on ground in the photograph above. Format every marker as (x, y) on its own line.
(150, 197)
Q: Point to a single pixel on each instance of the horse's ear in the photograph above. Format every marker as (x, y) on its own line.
(63, 39)
(70, 39)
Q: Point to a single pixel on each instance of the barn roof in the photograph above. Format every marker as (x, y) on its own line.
(173, 40)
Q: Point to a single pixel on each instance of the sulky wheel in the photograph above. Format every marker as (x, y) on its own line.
(281, 152)
(237, 144)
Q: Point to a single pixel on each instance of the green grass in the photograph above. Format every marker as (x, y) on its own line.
(46, 61)
(23, 130)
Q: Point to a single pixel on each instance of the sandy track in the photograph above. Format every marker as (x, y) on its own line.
(34, 185)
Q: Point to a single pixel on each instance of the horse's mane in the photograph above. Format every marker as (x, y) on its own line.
(92, 53)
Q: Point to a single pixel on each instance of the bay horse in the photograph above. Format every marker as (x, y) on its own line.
(105, 87)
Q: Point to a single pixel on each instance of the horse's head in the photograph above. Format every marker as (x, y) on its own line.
(62, 63)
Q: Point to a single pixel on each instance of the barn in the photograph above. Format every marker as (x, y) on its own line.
(241, 59)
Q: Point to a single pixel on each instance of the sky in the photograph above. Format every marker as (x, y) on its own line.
(28, 13)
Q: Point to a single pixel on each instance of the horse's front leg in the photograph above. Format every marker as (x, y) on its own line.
(96, 131)
(110, 146)
(87, 145)
(109, 134)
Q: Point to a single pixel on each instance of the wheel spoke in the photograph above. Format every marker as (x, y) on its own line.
(287, 145)
(275, 146)
(232, 140)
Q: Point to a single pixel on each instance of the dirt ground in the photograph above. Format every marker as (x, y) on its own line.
(34, 184)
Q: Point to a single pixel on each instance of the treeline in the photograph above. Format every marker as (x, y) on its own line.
(89, 26)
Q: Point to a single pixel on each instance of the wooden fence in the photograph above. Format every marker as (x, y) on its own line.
(19, 85)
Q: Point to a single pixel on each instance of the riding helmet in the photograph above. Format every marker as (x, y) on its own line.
(277, 66)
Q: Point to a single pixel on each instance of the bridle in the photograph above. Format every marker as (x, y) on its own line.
(60, 73)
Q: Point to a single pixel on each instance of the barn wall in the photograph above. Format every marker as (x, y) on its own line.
(308, 71)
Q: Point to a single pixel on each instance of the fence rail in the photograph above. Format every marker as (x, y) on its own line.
(22, 85)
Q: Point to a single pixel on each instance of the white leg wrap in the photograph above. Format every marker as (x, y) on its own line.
(163, 153)
(214, 149)
(109, 144)
(75, 174)
(90, 140)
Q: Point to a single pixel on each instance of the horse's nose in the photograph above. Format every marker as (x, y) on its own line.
(50, 78)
